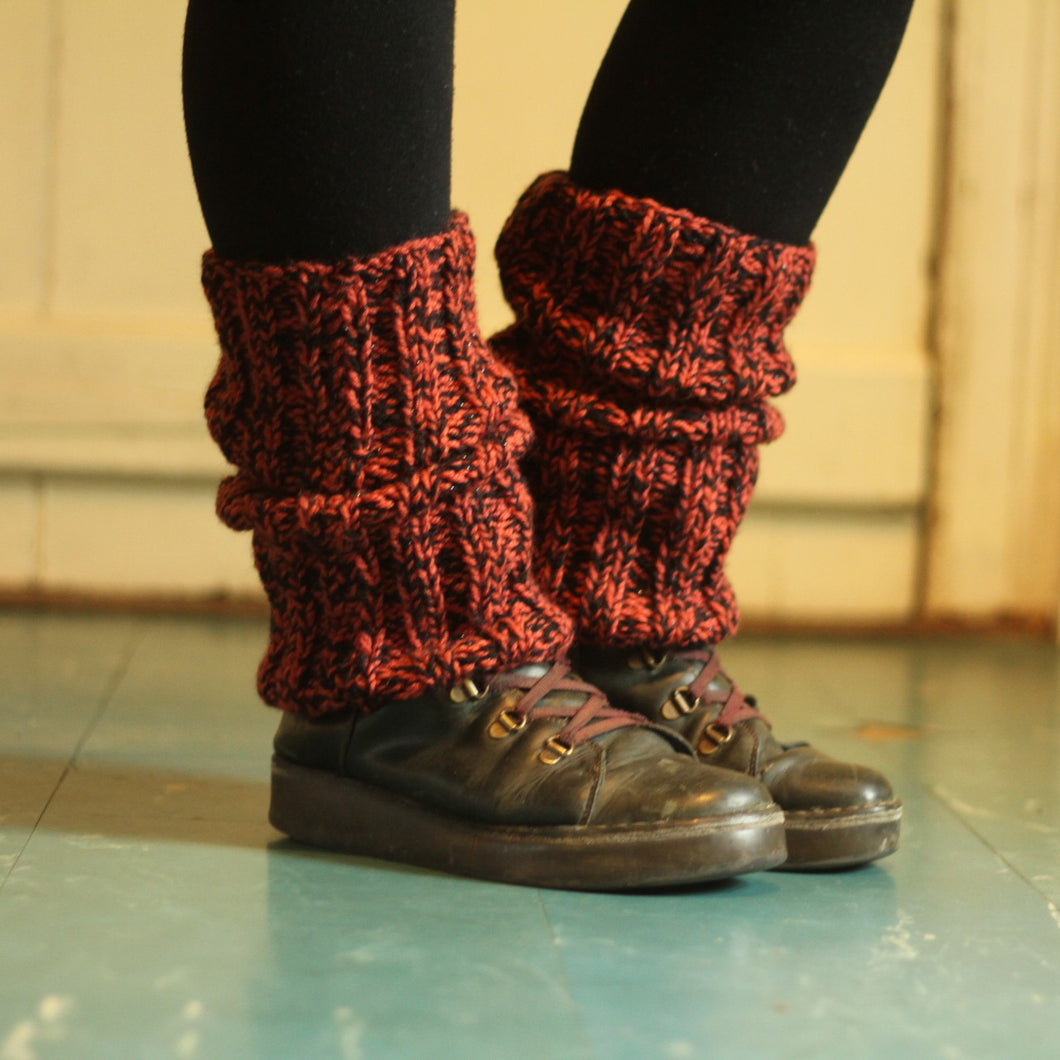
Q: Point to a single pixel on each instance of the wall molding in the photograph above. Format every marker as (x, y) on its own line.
(128, 402)
(994, 544)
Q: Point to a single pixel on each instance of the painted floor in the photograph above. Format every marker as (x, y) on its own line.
(148, 910)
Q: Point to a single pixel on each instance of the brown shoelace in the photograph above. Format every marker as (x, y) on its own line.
(735, 706)
(593, 717)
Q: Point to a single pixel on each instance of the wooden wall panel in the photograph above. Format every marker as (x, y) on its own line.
(106, 358)
(26, 102)
(995, 547)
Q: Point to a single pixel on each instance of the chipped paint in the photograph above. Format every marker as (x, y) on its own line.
(48, 1024)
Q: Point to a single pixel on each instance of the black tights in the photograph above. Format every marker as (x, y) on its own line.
(322, 128)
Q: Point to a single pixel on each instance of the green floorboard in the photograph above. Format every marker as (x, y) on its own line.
(148, 910)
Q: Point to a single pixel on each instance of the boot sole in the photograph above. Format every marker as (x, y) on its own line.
(349, 816)
(835, 839)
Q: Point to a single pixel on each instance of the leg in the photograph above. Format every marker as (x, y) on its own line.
(319, 130)
(428, 715)
(648, 342)
(743, 111)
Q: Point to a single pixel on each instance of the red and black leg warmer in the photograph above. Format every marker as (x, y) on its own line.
(647, 343)
(376, 444)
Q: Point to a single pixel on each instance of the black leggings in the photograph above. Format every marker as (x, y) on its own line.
(322, 129)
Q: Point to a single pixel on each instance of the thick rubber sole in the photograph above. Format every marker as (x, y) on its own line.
(836, 839)
(349, 816)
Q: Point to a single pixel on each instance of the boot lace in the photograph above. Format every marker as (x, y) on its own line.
(735, 706)
(591, 717)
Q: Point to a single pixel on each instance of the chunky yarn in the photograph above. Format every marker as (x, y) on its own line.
(646, 344)
(376, 443)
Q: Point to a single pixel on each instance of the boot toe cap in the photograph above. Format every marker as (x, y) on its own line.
(653, 783)
(812, 781)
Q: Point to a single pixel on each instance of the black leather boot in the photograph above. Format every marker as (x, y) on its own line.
(531, 779)
(836, 814)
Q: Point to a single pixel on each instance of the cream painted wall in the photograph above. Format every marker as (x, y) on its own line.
(105, 343)
(995, 541)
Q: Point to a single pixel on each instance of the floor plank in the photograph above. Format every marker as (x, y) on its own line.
(57, 673)
(153, 912)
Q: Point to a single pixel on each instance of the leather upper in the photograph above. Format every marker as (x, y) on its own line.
(799, 777)
(447, 753)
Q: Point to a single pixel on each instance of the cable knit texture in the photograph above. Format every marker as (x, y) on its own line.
(646, 344)
(376, 443)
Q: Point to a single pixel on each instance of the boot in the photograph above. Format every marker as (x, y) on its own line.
(836, 814)
(376, 446)
(532, 779)
(647, 344)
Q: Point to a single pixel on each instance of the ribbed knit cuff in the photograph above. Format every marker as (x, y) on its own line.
(646, 345)
(376, 443)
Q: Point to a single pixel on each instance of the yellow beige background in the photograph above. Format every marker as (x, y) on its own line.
(919, 473)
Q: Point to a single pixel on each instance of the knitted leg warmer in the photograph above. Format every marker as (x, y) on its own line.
(376, 444)
(646, 344)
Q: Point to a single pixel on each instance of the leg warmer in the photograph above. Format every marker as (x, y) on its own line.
(376, 444)
(646, 344)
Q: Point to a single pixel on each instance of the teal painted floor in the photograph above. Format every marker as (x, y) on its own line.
(148, 910)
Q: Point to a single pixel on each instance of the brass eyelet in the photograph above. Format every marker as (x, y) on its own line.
(554, 750)
(467, 691)
(505, 723)
(646, 659)
(714, 736)
(680, 702)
